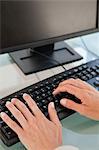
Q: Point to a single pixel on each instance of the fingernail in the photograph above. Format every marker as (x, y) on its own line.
(2, 114)
(63, 101)
(52, 104)
(25, 94)
(13, 99)
(54, 92)
(7, 103)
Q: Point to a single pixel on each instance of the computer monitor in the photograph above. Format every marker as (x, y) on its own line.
(32, 30)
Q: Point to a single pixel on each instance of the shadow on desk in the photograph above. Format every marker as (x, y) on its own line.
(81, 132)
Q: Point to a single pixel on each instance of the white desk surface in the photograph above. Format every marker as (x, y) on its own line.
(77, 130)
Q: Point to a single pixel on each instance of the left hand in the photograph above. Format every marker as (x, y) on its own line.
(36, 131)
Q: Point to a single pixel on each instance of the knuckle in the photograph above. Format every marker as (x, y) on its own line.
(78, 79)
(82, 111)
(16, 101)
(61, 83)
(63, 88)
(13, 125)
(34, 108)
(59, 125)
(68, 103)
(71, 79)
(18, 113)
(68, 86)
(23, 107)
(6, 118)
(26, 126)
(9, 105)
(32, 122)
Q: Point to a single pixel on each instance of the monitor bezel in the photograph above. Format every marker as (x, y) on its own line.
(54, 39)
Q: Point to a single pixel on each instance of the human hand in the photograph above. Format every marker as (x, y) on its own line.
(36, 131)
(88, 95)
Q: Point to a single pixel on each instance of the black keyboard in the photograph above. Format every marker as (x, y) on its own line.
(42, 94)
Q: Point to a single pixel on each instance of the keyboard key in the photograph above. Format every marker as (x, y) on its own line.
(97, 78)
(89, 70)
(75, 70)
(93, 73)
(89, 76)
(97, 66)
(96, 83)
(97, 70)
(84, 67)
(94, 68)
(84, 78)
(80, 68)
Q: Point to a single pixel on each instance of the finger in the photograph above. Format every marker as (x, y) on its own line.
(12, 124)
(91, 96)
(68, 81)
(72, 105)
(70, 89)
(85, 85)
(81, 109)
(77, 83)
(53, 115)
(17, 114)
(74, 82)
(32, 105)
(22, 107)
(82, 94)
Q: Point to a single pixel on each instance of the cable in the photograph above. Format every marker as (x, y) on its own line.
(51, 59)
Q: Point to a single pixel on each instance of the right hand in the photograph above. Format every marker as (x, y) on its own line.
(88, 95)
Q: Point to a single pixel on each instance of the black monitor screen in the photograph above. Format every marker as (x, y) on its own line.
(28, 22)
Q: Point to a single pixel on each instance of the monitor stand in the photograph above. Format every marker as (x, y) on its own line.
(45, 57)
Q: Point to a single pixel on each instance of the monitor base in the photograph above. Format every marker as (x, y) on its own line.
(34, 60)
